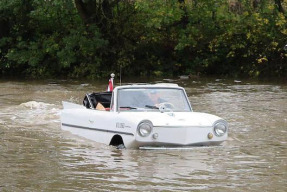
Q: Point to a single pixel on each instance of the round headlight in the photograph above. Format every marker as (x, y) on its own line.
(145, 128)
(220, 128)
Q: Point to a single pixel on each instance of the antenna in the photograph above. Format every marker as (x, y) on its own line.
(120, 75)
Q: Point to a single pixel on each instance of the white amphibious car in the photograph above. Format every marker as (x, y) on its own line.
(143, 116)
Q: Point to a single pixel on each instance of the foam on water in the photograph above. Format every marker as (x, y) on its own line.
(33, 113)
(36, 105)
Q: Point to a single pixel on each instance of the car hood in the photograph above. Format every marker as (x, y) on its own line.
(174, 118)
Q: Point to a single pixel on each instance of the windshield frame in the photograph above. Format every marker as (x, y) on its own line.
(117, 109)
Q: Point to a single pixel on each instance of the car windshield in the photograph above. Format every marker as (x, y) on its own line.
(152, 99)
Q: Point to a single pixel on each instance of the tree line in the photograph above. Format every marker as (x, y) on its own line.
(91, 38)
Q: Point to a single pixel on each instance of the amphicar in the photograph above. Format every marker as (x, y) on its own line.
(148, 116)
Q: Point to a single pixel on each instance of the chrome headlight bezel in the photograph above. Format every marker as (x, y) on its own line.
(220, 128)
(145, 128)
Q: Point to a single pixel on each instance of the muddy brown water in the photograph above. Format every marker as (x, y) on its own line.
(36, 155)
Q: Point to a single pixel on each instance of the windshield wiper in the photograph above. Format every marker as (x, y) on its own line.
(151, 107)
(127, 107)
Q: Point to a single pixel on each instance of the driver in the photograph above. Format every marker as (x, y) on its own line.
(155, 98)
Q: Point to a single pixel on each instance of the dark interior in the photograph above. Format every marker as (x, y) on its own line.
(104, 98)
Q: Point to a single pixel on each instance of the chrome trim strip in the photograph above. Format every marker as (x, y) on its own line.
(166, 126)
(96, 129)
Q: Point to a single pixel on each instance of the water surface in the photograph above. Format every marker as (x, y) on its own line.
(36, 155)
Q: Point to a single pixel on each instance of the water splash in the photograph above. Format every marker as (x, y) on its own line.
(36, 105)
(32, 113)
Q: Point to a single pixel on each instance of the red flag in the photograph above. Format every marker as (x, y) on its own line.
(111, 85)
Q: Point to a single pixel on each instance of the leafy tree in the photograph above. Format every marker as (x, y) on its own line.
(91, 38)
(48, 38)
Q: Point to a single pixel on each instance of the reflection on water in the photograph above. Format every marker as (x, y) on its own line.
(36, 155)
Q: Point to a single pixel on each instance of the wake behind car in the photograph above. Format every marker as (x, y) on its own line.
(143, 116)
